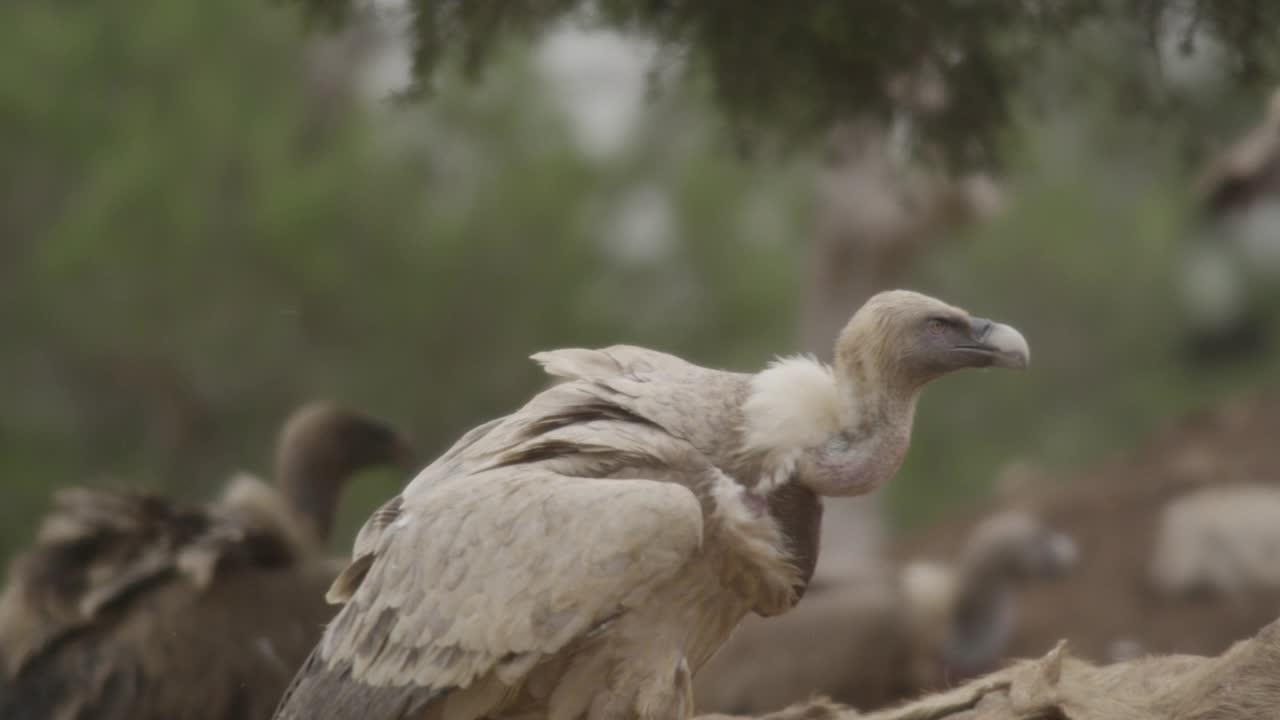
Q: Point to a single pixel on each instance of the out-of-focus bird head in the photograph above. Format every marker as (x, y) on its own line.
(1022, 547)
(323, 445)
(321, 433)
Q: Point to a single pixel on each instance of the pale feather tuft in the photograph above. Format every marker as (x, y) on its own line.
(929, 590)
(793, 405)
(763, 571)
(261, 506)
(575, 363)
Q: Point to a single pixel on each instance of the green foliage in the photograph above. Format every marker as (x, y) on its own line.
(1084, 267)
(199, 228)
(1087, 263)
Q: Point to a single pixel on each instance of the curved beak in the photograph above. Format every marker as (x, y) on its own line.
(1002, 344)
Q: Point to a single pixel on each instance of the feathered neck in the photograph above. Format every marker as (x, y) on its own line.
(798, 403)
(793, 403)
(312, 486)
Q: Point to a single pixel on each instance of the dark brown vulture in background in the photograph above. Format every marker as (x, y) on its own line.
(132, 606)
(585, 555)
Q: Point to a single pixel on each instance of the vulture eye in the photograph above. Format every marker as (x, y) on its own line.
(935, 326)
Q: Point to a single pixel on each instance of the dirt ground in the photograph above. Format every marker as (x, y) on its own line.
(1112, 511)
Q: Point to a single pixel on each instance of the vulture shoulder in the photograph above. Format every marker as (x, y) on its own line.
(368, 537)
(697, 404)
(705, 408)
(499, 555)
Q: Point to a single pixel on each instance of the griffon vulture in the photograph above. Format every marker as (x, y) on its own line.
(583, 556)
(133, 606)
(870, 644)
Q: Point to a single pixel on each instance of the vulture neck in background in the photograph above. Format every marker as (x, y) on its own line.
(312, 490)
(985, 582)
(981, 614)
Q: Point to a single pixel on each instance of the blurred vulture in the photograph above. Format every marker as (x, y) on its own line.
(1232, 267)
(1243, 683)
(1219, 541)
(1248, 170)
(131, 606)
(1177, 541)
(868, 645)
(583, 556)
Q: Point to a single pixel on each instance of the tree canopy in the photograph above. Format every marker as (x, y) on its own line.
(201, 225)
(801, 66)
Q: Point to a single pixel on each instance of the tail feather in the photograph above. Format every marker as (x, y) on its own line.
(321, 691)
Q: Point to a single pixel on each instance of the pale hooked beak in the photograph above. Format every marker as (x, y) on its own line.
(1003, 344)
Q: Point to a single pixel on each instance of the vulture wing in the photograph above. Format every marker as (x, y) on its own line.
(623, 383)
(368, 538)
(94, 548)
(132, 605)
(497, 557)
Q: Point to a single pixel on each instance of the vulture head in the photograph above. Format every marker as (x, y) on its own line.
(1017, 545)
(321, 446)
(964, 613)
(1007, 551)
(846, 428)
(903, 340)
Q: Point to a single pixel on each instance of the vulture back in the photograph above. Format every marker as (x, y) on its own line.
(134, 606)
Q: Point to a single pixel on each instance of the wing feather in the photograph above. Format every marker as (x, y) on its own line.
(95, 547)
(492, 570)
(611, 362)
(694, 403)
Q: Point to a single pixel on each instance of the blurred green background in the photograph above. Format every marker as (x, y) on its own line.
(209, 212)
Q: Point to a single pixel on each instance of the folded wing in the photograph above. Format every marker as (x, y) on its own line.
(537, 536)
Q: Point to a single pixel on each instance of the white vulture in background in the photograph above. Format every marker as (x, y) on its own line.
(133, 606)
(1220, 541)
(583, 556)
